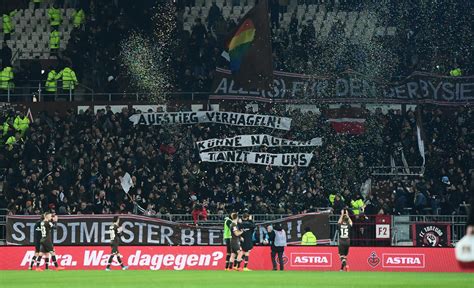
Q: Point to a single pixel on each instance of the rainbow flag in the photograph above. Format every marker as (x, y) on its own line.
(249, 50)
(240, 44)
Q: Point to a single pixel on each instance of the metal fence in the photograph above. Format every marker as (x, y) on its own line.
(3, 222)
(37, 93)
(216, 219)
(400, 229)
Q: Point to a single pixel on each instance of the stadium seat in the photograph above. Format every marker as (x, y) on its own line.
(359, 26)
(312, 9)
(226, 11)
(32, 28)
(69, 12)
(300, 15)
(220, 3)
(369, 28)
(391, 31)
(341, 16)
(195, 11)
(350, 21)
(236, 10)
(327, 26)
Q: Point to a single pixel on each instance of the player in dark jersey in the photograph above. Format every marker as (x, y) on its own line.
(344, 225)
(36, 242)
(115, 232)
(247, 227)
(235, 243)
(46, 247)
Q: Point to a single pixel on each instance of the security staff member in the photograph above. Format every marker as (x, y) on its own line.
(456, 72)
(51, 85)
(21, 123)
(12, 141)
(54, 39)
(6, 78)
(358, 205)
(78, 18)
(8, 24)
(308, 237)
(69, 79)
(55, 17)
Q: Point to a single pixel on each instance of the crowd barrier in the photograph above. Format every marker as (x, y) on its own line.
(213, 258)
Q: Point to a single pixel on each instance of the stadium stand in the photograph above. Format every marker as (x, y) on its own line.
(109, 23)
(32, 30)
(71, 164)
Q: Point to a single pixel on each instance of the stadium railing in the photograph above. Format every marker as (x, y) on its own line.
(35, 92)
(400, 235)
(401, 227)
(397, 170)
(216, 219)
(363, 232)
(3, 223)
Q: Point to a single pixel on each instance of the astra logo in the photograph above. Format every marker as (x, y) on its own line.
(403, 260)
(311, 259)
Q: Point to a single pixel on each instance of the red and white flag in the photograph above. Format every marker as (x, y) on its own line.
(347, 120)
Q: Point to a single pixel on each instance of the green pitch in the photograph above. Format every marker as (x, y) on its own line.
(223, 279)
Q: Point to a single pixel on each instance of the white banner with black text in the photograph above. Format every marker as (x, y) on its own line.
(284, 159)
(254, 140)
(228, 118)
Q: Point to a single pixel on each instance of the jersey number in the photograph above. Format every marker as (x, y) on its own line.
(43, 230)
(344, 233)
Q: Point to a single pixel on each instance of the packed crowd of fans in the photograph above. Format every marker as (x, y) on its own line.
(73, 164)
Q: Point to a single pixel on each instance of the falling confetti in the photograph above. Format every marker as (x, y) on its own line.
(147, 58)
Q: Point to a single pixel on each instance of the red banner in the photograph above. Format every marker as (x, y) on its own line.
(213, 258)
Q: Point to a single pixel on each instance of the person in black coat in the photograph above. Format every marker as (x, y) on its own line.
(6, 55)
